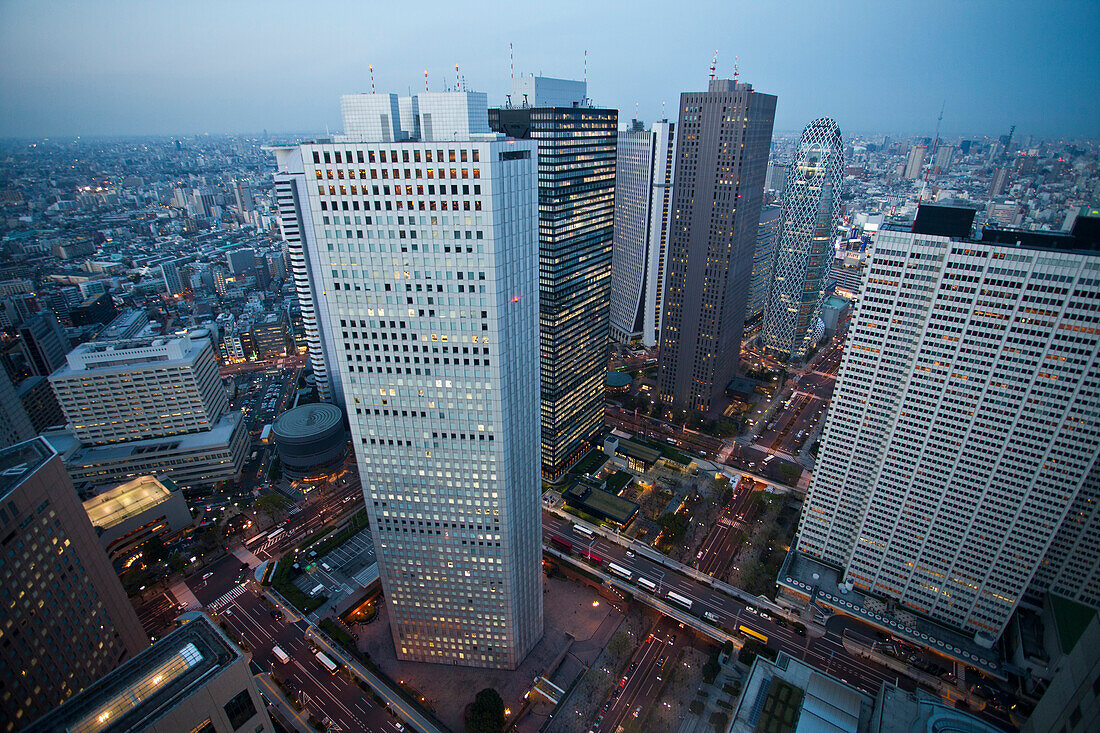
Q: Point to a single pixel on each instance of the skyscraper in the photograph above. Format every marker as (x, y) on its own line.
(959, 465)
(721, 161)
(811, 212)
(763, 264)
(67, 621)
(15, 424)
(576, 157)
(643, 188)
(426, 253)
(297, 228)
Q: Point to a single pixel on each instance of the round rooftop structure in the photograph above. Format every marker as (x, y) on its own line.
(615, 381)
(311, 440)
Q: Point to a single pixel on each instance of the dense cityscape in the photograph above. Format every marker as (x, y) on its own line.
(523, 413)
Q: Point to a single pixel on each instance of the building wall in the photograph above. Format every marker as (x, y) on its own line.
(432, 302)
(576, 151)
(643, 185)
(963, 426)
(763, 263)
(68, 621)
(724, 137)
(15, 424)
(1071, 703)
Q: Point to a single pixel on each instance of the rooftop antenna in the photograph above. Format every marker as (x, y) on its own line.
(663, 116)
(458, 81)
(713, 64)
(586, 66)
(736, 71)
(511, 62)
(371, 78)
(636, 113)
(425, 80)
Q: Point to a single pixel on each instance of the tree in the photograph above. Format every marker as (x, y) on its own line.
(486, 713)
(711, 669)
(176, 563)
(674, 525)
(273, 504)
(154, 551)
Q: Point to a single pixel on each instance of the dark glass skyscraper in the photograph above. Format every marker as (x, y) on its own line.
(724, 136)
(576, 218)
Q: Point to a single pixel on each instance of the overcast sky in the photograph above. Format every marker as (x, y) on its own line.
(114, 67)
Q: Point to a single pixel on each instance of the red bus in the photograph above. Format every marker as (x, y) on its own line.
(592, 557)
(564, 545)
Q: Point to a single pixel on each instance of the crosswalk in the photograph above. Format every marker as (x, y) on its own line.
(227, 598)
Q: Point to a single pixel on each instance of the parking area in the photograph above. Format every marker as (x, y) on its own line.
(354, 555)
(333, 574)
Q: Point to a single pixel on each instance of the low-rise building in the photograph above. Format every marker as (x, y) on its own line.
(195, 679)
(129, 515)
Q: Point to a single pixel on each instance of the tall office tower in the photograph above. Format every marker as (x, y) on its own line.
(725, 136)
(998, 181)
(961, 443)
(427, 253)
(116, 391)
(67, 621)
(172, 282)
(195, 679)
(763, 264)
(811, 213)
(915, 163)
(44, 343)
(776, 177)
(643, 189)
(15, 423)
(291, 195)
(242, 192)
(576, 144)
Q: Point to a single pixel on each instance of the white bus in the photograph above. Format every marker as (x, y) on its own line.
(325, 662)
(317, 589)
(677, 598)
(619, 570)
(280, 654)
(275, 534)
(581, 529)
(648, 584)
(711, 616)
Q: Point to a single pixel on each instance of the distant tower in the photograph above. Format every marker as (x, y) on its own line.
(915, 163)
(811, 211)
(721, 162)
(643, 190)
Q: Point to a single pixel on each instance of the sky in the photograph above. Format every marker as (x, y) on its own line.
(115, 67)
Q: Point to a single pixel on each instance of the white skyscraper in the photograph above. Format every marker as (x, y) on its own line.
(643, 184)
(424, 256)
(958, 472)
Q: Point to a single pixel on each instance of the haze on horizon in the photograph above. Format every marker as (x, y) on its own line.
(121, 67)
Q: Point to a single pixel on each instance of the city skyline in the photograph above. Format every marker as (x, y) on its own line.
(71, 72)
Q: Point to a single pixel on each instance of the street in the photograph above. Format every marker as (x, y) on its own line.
(640, 687)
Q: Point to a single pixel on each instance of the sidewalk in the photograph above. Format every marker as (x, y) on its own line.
(287, 714)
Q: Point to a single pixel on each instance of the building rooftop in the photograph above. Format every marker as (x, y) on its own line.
(70, 448)
(637, 450)
(957, 223)
(21, 460)
(127, 500)
(135, 695)
(163, 351)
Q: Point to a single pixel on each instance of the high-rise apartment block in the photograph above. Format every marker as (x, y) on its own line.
(763, 264)
(173, 285)
(116, 391)
(67, 621)
(424, 249)
(643, 191)
(576, 158)
(148, 406)
(811, 213)
(914, 164)
(721, 160)
(959, 467)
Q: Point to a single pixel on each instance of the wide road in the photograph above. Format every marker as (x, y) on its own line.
(639, 689)
(826, 652)
(317, 513)
(327, 695)
(724, 539)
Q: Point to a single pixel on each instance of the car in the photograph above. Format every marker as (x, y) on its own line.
(661, 661)
(750, 609)
(206, 575)
(764, 615)
(275, 614)
(629, 553)
(637, 711)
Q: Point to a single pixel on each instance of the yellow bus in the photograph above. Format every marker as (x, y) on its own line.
(754, 634)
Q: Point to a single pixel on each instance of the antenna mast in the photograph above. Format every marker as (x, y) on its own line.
(371, 67)
(735, 70)
(713, 64)
(425, 80)
(511, 62)
(932, 155)
(586, 66)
